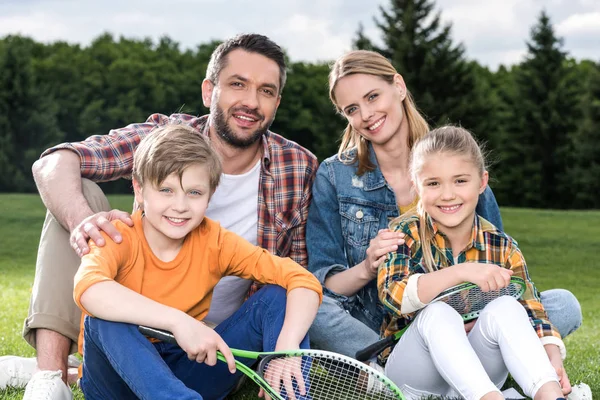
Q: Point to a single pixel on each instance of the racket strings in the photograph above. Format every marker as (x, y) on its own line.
(473, 300)
(326, 378)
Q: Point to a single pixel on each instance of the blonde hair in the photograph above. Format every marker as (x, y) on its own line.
(371, 63)
(172, 149)
(447, 139)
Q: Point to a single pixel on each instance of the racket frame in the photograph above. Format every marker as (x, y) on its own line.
(374, 349)
(265, 357)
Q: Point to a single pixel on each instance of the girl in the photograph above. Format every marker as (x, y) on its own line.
(447, 243)
(358, 191)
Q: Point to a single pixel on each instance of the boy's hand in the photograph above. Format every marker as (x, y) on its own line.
(487, 276)
(282, 372)
(201, 343)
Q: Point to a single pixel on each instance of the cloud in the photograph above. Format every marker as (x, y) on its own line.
(492, 31)
(581, 32)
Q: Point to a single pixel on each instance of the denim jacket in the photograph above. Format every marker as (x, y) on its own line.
(346, 212)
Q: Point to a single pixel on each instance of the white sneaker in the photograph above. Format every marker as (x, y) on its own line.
(16, 371)
(580, 391)
(47, 385)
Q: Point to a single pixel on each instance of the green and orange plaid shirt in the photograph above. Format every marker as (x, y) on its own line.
(488, 245)
(286, 177)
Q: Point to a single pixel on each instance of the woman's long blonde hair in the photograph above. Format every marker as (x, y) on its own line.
(444, 140)
(371, 63)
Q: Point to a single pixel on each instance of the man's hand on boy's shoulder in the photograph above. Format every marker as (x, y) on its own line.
(201, 342)
(91, 227)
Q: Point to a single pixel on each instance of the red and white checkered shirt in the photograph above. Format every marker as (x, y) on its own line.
(286, 177)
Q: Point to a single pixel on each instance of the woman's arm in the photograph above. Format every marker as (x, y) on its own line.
(325, 242)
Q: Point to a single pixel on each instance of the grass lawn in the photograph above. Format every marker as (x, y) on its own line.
(559, 247)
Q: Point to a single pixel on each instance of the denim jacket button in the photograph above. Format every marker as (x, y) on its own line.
(360, 214)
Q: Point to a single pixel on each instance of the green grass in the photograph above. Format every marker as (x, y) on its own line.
(559, 247)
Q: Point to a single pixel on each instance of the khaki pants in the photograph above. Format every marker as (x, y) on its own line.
(52, 306)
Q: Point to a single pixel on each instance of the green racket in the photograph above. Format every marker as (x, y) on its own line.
(467, 299)
(326, 375)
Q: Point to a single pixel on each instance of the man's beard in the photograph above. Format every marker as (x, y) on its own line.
(219, 119)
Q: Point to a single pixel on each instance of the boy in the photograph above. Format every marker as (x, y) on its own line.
(162, 275)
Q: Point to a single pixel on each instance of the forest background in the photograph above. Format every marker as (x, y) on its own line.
(539, 119)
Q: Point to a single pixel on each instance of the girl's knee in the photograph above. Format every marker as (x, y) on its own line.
(504, 306)
(439, 314)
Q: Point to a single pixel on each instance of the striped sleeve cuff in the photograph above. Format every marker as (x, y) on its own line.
(410, 298)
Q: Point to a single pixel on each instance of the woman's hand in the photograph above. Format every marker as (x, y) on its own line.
(201, 342)
(486, 276)
(385, 242)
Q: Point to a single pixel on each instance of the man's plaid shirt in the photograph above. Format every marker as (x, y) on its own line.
(488, 245)
(286, 177)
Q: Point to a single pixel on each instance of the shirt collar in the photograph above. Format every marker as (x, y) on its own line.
(477, 237)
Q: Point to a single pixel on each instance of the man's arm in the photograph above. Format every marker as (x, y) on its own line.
(58, 179)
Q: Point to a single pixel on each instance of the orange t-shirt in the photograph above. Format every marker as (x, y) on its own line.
(186, 283)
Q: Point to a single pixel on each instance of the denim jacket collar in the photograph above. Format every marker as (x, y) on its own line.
(373, 179)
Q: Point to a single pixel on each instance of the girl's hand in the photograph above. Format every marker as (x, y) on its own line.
(486, 276)
(556, 360)
(385, 242)
(201, 342)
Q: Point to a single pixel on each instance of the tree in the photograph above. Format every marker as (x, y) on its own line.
(537, 147)
(585, 173)
(305, 114)
(28, 122)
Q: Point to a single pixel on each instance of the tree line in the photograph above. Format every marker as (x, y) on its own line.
(539, 119)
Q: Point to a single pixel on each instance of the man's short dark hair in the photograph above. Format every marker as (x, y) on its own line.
(252, 43)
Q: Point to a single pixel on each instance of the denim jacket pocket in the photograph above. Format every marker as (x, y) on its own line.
(360, 223)
(287, 224)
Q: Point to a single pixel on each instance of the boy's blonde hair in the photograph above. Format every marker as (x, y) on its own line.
(371, 63)
(447, 140)
(171, 149)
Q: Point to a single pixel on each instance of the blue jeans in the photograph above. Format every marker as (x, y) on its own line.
(120, 363)
(340, 330)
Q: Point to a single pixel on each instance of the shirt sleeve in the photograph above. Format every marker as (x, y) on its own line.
(298, 251)
(531, 299)
(110, 157)
(324, 237)
(100, 264)
(239, 257)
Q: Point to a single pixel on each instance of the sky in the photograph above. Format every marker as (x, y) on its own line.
(493, 32)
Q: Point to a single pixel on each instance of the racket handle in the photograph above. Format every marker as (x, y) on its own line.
(372, 350)
(159, 334)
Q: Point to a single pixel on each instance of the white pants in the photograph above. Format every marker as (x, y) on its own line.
(436, 357)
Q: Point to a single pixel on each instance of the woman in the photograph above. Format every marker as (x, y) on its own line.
(358, 191)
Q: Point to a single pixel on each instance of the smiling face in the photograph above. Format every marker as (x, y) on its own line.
(372, 106)
(245, 98)
(449, 187)
(175, 207)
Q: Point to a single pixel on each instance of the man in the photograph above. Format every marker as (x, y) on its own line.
(272, 178)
